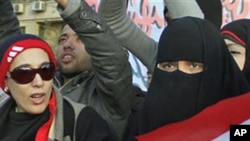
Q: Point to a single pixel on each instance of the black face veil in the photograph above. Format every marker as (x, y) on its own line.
(239, 32)
(175, 96)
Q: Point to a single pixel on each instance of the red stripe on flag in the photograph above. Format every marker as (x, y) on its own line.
(207, 125)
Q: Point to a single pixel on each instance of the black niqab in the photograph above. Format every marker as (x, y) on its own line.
(240, 30)
(175, 96)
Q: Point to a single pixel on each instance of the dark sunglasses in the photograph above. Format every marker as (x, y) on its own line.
(23, 75)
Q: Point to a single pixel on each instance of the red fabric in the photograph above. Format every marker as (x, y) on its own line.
(227, 32)
(207, 125)
(43, 132)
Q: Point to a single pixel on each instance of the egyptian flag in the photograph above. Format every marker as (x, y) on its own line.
(213, 123)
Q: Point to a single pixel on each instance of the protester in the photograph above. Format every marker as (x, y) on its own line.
(107, 85)
(134, 39)
(9, 26)
(213, 123)
(93, 67)
(194, 70)
(35, 110)
(237, 37)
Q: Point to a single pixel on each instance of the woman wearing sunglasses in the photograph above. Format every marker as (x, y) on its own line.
(35, 110)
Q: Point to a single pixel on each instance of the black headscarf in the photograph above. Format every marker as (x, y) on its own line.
(239, 31)
(175, 96)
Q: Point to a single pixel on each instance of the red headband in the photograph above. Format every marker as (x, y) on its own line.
(19, 46)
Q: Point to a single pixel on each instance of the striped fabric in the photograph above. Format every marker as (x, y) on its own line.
(213, 123)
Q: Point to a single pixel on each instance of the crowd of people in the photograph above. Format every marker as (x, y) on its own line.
(84, 92)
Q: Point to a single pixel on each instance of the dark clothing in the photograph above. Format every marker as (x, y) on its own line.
(89, 127)
(238, 31)
(108, 87)
(212, 10)
(73, 122)
(9, 24)
(136, 41)
(213, 123)
(20, 126)
(138, 100)
(175, 96)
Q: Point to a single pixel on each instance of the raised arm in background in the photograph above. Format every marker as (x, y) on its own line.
(131, 36)
(106, 84)
(9, 24)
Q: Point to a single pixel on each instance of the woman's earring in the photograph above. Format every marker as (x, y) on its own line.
(6, 90)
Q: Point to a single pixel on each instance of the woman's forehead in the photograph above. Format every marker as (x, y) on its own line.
(33, 57)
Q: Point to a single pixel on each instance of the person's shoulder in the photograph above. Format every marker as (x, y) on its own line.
(88, 123)
(75, 105)
(79, 108)
(90, 112)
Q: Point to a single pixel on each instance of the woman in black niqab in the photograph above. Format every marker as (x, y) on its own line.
(175, 96)
(238, 31)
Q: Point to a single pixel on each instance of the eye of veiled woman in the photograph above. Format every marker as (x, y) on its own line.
(234, 52)
(196, 65)
(168, 66)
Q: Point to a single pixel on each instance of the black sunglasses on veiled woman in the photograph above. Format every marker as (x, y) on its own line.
(22, 75)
